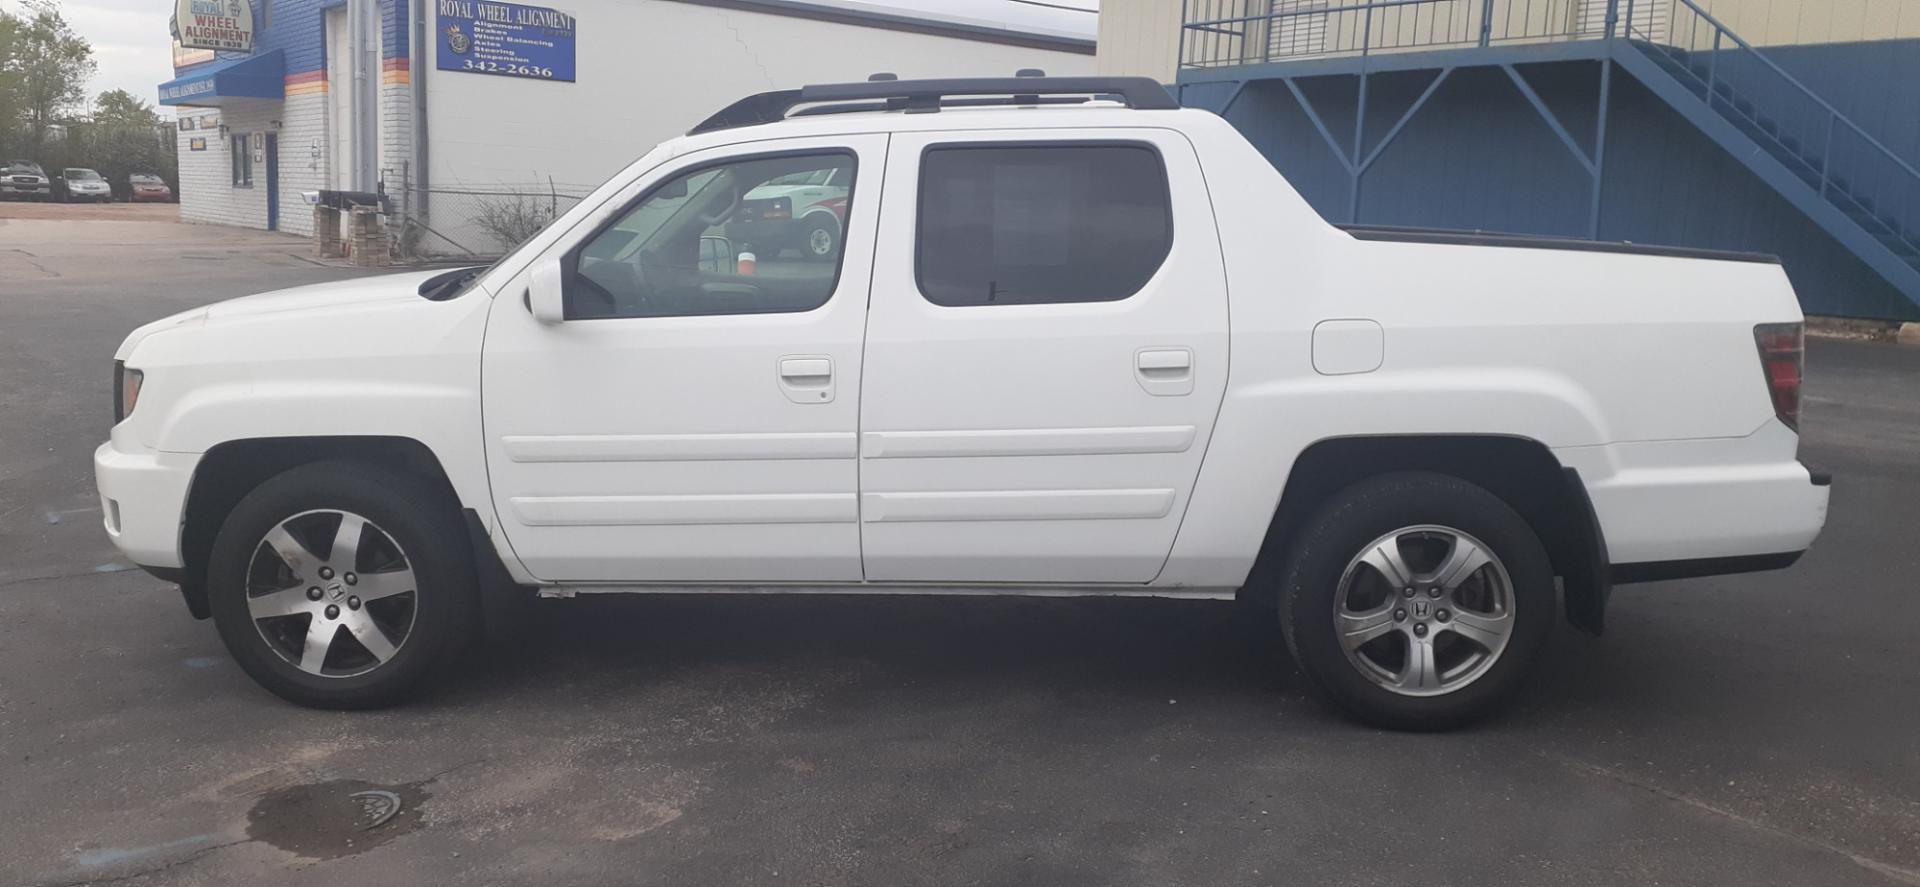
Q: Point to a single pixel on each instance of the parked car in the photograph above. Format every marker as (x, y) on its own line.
(24, 180)
(76, 184)
(144, 187)
(1092, 348)
(802, 212)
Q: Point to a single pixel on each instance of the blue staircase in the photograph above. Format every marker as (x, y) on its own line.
(1825, 165)
(1822, 163)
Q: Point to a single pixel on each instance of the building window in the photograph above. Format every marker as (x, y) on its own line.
(242, 162)
(1026, 225)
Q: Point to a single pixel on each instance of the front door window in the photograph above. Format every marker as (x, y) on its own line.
(753, 236)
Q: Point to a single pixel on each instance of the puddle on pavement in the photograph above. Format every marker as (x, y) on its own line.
(339, 817)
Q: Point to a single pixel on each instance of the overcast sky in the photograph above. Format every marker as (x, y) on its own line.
(130, 41)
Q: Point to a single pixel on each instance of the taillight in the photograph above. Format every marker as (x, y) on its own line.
(1783, 349)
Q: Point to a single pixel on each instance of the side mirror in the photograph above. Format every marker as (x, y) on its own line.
(716, 254)
(546, 292)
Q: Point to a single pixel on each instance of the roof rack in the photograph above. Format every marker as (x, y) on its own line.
(927, 96)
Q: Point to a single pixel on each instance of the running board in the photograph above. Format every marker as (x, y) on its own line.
(568, 590)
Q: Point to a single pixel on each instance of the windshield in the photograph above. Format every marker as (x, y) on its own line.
(145, 180)
(82, 175)
(648, 160)
(23, 166)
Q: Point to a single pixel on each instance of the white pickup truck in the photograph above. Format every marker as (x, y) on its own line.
(1074, 341)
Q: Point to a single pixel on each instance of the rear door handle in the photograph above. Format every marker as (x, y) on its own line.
(806, 378)
(1164, 372)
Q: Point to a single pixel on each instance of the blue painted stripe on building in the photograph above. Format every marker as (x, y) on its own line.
(394, 18)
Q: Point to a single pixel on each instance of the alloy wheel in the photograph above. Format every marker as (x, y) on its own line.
(331, 593)
(1424, 610)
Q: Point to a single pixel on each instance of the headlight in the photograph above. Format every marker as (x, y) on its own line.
(126, 390)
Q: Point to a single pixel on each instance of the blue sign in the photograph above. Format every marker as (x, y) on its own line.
(508, 39)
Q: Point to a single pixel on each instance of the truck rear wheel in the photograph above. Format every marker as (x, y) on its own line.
(342, 585)
(1417, 601)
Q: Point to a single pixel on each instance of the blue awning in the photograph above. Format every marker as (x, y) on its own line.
(260, 76)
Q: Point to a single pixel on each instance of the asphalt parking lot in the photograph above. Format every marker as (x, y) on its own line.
(1745, 730)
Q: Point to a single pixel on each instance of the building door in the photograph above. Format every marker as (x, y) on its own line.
(340, 134)
(273, 182)
(694, 417)
(1043, 361)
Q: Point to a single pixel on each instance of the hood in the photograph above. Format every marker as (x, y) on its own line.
(140, 333)
(319, 297)
(322, 296)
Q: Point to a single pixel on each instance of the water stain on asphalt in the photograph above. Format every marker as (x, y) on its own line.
(339, 817)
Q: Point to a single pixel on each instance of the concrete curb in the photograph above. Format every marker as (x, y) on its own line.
(1858, 330)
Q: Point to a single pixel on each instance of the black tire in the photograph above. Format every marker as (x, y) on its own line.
(816, 227)
(417, 517)
(1346, 526)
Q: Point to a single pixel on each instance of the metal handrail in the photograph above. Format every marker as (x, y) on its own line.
(1311, 10)
(1834, 115)
(1467, 22)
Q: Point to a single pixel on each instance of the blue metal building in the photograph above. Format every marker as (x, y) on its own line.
(1640, 120)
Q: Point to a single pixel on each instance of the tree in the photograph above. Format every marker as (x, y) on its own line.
(118, 107)
(124, 137)
(47, 66)
(9, 83)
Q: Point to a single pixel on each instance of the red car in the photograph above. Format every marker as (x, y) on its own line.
(142, 188)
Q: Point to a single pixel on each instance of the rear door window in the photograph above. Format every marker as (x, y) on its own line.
(1035, 224)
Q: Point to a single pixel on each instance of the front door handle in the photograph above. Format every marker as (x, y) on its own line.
(806, 378)
(1164, 372)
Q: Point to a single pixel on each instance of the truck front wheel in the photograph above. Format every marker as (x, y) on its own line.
(342, 585)
(822, 240)
(1417, 601)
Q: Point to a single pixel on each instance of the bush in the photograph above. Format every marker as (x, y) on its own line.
(512, 218)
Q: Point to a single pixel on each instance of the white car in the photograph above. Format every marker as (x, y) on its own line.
(1066, 347)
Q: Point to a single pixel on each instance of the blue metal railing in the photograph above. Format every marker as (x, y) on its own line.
(1237, 32)
(1858, 173)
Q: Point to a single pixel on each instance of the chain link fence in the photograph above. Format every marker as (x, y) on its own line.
(459, 222)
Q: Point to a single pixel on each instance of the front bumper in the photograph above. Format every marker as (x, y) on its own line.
(10, 188)
(143, 498)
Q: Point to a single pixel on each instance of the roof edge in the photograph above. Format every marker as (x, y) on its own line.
(906, 23)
